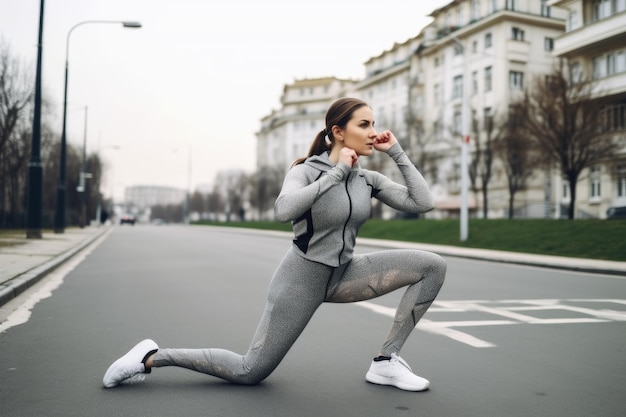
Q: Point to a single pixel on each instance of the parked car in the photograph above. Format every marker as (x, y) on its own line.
(128, 219)
(616, 213)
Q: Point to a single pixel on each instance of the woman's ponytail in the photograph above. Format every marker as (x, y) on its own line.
(320, 145)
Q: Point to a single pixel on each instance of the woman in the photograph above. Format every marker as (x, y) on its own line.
(327, 197)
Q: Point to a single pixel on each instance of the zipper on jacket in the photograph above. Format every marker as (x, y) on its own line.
(345, 225)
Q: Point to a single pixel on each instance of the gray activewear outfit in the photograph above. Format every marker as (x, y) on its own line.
(327, 205)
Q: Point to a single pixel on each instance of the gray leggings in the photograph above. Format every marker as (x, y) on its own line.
(299, 287)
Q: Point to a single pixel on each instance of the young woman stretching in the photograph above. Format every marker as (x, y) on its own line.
(327, 197)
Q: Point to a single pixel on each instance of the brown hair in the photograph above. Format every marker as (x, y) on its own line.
(338, 114)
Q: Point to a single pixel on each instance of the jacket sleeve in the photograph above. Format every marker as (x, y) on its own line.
(299, 193)
(414, 197)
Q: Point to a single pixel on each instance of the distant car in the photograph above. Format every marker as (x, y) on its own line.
(128, 219)
(616, 213)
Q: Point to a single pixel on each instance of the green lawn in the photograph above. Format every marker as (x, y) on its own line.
(595, 239)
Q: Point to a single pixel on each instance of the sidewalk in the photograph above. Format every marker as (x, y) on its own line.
(23, 262)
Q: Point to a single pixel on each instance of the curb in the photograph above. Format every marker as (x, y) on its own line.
(595, 266)
(17, 285)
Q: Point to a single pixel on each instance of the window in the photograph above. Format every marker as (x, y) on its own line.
(491, 6)
(437, 94)
(615, 117)
(516, 80)
(517, 34)
(474, 9)
(488, 40)
(620, 62)
(576, 74)
(599, 67)
(601, 9)
(438, 129)
(457, 87)
(511, 4)
(548, 44)
(474, 82)
(457, 122)
(565, 189)
(616, 62)
(620, 6)
(621, 181)
(595, 174)
(474, 47)
(487, 119)
(545, 9)
(572, 20)
(488, 77)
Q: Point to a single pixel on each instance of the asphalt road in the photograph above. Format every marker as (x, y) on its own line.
(501, 340)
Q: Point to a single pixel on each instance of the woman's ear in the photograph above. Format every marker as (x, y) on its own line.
(337, 132)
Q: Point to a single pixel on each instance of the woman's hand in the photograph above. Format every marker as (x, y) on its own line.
(384, 141)
(348, 156)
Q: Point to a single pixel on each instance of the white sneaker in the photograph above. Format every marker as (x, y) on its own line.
(130, 364)
(396, 372)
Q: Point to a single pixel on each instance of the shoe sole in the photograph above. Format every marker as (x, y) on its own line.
(382, 380)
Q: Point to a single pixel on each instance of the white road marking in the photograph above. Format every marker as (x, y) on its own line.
(44, 288)
(508, 309)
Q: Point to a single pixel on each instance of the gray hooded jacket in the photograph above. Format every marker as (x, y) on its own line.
(328, 203)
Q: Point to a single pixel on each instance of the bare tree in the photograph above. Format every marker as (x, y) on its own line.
(265, 184)
(485, 137)
(15, 99)
(215, 202)
(566, 122)
(232, 184)
(517, 156)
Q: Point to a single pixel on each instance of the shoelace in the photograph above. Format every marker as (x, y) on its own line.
(396, 358)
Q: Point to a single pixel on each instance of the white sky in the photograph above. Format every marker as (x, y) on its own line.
(199, 75)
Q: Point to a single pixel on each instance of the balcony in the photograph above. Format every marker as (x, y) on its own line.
(609, 86)
(518, 50)
(590, 34)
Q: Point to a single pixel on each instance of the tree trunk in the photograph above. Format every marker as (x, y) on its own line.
(572, 203)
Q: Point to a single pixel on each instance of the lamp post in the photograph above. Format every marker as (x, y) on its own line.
(59, 222)
(35, 168)
(466, 124)
(82, 184)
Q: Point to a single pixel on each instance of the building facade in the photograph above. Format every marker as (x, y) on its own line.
(453, 80)
(594, 44)
(286, 134)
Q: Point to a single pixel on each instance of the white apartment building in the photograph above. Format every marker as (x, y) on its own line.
(476, 57)
(594, 43)
(462, 70)
(145, 196)
(286, 134)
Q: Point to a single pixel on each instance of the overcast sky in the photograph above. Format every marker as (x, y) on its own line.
(198, 76)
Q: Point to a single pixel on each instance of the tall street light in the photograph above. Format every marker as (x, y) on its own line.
(59, 221)
(466, 127)
(35, 168)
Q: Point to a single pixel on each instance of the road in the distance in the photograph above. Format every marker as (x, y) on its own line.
(501, 340)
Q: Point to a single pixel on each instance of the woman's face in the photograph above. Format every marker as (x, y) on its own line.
(359, 134)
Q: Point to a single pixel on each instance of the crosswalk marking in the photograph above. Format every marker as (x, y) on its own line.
(509, 312)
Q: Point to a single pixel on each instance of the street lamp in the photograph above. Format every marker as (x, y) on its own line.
(466, 125)
(59, 222)
(35, 168)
